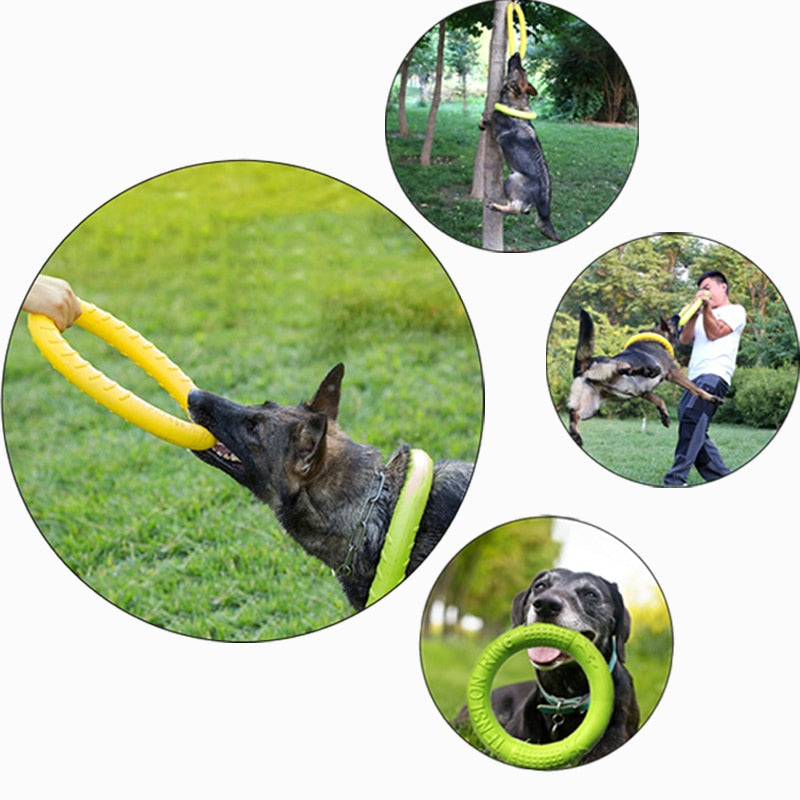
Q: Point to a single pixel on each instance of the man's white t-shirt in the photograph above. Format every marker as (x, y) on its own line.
(718, 356)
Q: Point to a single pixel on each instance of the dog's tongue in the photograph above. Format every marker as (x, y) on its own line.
(543, 655)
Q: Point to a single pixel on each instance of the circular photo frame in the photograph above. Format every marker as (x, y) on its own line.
(664, 403)
(502, 691)
(262, 280)
(512, 127)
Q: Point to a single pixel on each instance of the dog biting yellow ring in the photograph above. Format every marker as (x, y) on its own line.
(110, 394)
(562, 753)
(523, 31)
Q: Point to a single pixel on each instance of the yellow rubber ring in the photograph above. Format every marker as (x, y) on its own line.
(523, 32)
(690, 309)
(514, 112)
(649, 336)
(109, 393)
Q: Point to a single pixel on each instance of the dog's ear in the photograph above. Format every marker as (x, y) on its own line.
(622, 629)
(518, 608)
(308, 446)
(326, 400)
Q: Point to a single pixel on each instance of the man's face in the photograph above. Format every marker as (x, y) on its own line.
(717, 289)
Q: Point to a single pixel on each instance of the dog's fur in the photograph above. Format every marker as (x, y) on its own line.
(316, 479)
(594, 606)
(528, 183)
(634, 372)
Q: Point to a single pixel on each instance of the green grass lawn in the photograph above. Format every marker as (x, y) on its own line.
(255, 279)
(588, 166)
(644, 455)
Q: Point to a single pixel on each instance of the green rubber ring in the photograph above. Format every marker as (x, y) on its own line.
(400, 537)
(553, 754)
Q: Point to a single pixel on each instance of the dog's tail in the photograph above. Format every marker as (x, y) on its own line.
(585, 349)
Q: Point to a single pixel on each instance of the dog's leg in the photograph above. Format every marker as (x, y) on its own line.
(574, 419)
(510, 207)
(546, 227)
(660, 405)
(677, 377)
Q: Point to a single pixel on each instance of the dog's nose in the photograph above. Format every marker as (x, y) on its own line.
(547, 606)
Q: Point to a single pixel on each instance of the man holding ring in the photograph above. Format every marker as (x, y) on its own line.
(714, 331)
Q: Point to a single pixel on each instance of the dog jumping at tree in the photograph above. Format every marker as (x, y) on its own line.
(527, 186)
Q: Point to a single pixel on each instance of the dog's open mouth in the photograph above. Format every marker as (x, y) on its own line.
(552, 657)
(227, 455)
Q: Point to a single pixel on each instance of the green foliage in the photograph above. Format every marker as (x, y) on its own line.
(584, 77)
(771, 339)
(254, 278)
(475, 580)
(760, 397)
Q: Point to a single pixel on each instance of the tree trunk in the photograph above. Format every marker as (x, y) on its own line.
(402, 121)
(492, 156)
(425, 156)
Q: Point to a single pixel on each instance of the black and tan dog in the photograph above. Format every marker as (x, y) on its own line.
(329, 493)
(551, 707)
(646, 360)
(527, 186)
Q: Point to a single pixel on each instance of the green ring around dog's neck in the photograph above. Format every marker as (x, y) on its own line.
(403, 528)
(514, 112)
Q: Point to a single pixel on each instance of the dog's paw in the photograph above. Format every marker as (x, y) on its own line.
(664, 418)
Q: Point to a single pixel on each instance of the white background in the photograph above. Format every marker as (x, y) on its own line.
(99, 96)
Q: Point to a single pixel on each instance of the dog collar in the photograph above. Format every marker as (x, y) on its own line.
(514, 112)
(652, 337)
(375, 489)
(403, 528)
(572, 705)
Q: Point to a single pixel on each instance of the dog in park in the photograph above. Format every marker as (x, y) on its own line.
(333, 496)
(647, 360)
(527, 186)
(553, 705)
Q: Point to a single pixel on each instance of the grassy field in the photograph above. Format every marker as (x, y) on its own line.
(644, 455)
(588, 166)
(255, 279)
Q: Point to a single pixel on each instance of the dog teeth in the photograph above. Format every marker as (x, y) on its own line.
(225, 454)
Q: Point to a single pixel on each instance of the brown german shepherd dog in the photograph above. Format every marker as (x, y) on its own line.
(528, 183)
(325, 489)
(634, 372)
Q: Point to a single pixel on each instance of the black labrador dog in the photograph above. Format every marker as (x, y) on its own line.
(553, 706)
